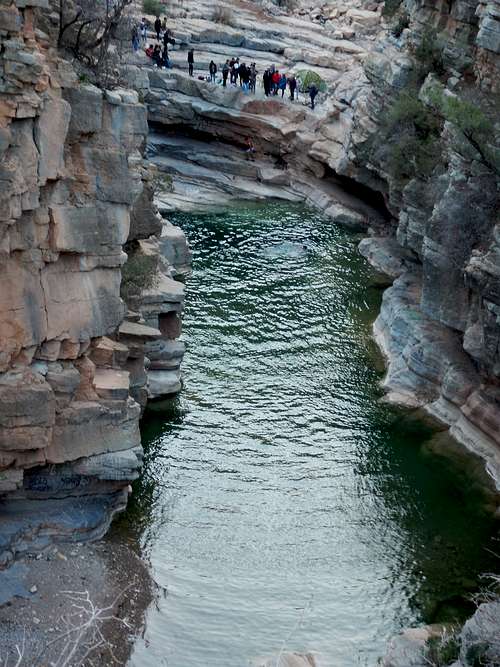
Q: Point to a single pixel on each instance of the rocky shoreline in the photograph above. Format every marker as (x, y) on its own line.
(45, 588)
(79, 190)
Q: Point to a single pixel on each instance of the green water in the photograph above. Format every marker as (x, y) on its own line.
(282, 504)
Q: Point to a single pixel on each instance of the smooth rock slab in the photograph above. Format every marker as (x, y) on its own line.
(163, 383)
(12, 583)
(289, 660)
(135, 330)
(386, 255)
(32, 525)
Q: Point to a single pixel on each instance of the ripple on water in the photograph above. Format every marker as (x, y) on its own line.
(281, 502)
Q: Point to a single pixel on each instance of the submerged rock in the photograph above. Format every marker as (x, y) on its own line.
(288, 659)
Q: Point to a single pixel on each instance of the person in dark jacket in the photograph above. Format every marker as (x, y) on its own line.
(313, 91)
(158, 27)
(245, 77)
(266, 80)
(242, 73)
(253, 77)
(168, 39)
(292, 85)
(191, 61)
(225, 73)
(212, 68)
(156, 57)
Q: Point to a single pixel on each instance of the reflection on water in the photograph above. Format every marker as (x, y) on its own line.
(281, 502)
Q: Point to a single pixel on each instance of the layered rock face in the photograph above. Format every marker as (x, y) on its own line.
(72, 178)
(439, 323)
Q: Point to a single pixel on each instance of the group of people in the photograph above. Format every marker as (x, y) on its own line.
(245, 76)
(237, 73)
(157, 52)
(233, 71)
(275, 82)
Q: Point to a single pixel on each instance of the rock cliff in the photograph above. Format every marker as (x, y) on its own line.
(75, 189)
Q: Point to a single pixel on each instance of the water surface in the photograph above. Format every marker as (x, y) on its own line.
(282, 504)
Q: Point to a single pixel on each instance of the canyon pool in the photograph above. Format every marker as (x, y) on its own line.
(282, 504)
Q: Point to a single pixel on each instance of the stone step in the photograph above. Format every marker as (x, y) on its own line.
(163, 383)
(136, 331)
(167, 290)
(111, 384)
(109, 353)
(165, 350)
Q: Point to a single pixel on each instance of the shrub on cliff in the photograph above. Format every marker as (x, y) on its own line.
(401, 23)
(390, 8)
(139, 273)
(442, 651)
(475, 133)
(410, 142)
(429, 52)
(87, 28)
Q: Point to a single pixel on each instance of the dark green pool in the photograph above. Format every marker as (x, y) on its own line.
(282, 504)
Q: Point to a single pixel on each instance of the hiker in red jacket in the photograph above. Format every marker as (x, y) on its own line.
(276, 81)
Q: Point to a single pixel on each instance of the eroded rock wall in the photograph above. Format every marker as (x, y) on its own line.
(439, 324)
(71, 174)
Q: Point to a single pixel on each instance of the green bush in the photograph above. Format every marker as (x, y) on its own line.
(442, 651)
(402, 22)
(139, 273)
(390, 8)
(475, 131)
(307, 77)
(429, 53)
(152, 7)
(163, 182)
(411, 137)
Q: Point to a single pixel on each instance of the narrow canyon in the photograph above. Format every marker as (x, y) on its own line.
(187, 327)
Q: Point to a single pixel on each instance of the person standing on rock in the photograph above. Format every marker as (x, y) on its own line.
(266, 81)
(191, 61)
(144, 30)
(313, 91)
(236, 68)
(158, 27)
(282, 85)
(253, 77)
(242, 73)
(164, 24)
(225, 73)
(275, 78)
(245, 77)
(292, 85)
(135, 39)
(212, 68)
